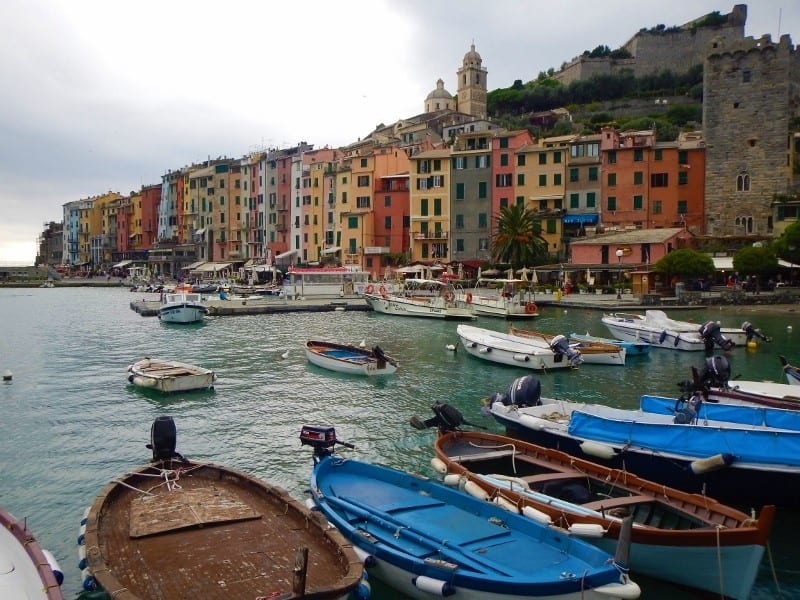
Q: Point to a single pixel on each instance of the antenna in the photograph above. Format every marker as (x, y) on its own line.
(780, 9)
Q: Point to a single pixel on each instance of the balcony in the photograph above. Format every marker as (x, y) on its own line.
(377, 250)
(430, 235)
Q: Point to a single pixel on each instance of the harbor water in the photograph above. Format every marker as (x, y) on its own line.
(70, 421)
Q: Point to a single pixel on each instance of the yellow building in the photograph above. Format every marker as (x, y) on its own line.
(430, 205)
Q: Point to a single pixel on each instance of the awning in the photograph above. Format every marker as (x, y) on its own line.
(787, 264)
(200, 231)
(122, 263)
(331, 250)
(213, 267)
(194, 265)
(286, 254)
(589, 219)
(725, 263)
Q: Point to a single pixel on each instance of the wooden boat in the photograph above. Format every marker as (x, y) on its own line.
(182, 306)
(26, 569)
(736, 463)
(792, 373)
(169, 376)
(429, 298)
(517, 351)
(507, 299)
(352, 360)
(655, 328)
(592, 352)
(176, 528)
(631, 348)
(686, 539)
(426, 539)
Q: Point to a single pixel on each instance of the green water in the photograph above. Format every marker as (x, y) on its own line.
(70, 422)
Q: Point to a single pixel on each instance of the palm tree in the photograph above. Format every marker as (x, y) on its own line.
(517, 240)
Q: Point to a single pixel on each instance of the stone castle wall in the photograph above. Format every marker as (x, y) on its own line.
(749, 95)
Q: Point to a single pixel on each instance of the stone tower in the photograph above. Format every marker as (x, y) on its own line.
(749, 95)
(471, 95)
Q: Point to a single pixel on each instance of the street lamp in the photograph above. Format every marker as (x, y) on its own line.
(619, 274)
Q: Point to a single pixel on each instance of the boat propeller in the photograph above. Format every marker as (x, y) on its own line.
(445, 416)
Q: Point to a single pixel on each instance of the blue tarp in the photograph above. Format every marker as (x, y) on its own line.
(585, 219)
(778, 418)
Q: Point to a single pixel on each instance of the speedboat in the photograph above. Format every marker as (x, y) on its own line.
(631, 348)
(518, 351)
(349, 359)
(507, 299)
(429, 298)
(425, 539)
(182, 306)
(592, 352)
(177, 528)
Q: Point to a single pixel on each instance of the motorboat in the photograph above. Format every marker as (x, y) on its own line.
(685, 539)
(742, 464)
(792, 373)
(632, 348)
(182, 306)
(169, 376)
(429, 298)
(655, 328)
(517, 351)
(426, 539)
(177, 528)
(503, 298)
(592, 352)
(26, 569)
(353, 360)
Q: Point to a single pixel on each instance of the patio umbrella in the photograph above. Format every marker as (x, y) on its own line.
(479, 272)
(461, 270)
(534, 277)
(523, 273)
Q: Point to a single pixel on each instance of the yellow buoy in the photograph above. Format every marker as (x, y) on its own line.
(752, 345)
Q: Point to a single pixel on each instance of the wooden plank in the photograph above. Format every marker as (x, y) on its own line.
(609, 503)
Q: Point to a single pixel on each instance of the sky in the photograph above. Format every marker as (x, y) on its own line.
(102, 96)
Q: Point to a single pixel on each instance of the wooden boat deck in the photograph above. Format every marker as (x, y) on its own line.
(217, 534)
(158, 368)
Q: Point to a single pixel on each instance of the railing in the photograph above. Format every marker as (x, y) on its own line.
(431, 235)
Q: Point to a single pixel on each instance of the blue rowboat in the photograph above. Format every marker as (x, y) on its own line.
(352, 360)
(632, 348)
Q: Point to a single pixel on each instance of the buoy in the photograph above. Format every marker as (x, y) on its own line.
(597, 449)
(752, 345)
(592, 530)
(7, 375)
(145, 382)
(521, 357)
(285, 354)
(451, 347)
(789, 328)
(712, 463)
(537, 515)
(54, 566)
(438, 465)
(473, 489)
(433, 586)
(452, 480)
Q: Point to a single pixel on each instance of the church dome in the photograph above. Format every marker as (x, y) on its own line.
(439, 92)
(472, 58)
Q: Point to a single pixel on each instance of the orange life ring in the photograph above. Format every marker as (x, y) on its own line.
(370, 289)
(382, 290)
(530, 308)
(469, 298)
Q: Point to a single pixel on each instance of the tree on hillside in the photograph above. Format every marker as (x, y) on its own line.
(759, 261)
(787, 246)
(517, 241)
(685, 264)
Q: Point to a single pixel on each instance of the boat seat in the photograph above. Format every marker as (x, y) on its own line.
(608, 503)
(546, 477)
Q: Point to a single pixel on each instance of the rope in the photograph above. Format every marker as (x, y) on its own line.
(772, 570)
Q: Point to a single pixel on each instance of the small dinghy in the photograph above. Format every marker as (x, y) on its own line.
(352, 360)
(169, 376)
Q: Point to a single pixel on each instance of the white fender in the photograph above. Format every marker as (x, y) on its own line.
(438, 465)
(533, 422)
(452, 480)
(592, 530)
(504, 503)
(54, 566)
(144, 382)
(537, 515)
(712, 463)
(365, 557)
(433, 586)
(473, 489)
(310, 504)
(597, 449)
(521, 357)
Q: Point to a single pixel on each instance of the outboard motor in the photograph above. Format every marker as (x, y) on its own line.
(379, 354)
(752, 332)
(711, 334)
(322, 439)
(686, 410)
(445, 416)
(716, 372)
(560, 346)
(524, 391)
(163, 438)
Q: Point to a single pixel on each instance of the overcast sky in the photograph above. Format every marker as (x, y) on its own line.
(101, 95)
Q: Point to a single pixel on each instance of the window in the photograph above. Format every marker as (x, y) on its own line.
(482, 162)
(520, 160)
(593, 174)
(520, 178)
(387, 222)
(483, 244)
(362, 202)
(387, 201)
(459, 221)
(422, 183)
(612, 203)
(459, 191)
(344, 197)
(556, 157)
(482, 220)
(593, 149)
(683, 157)
(659, 180)
(352, 222)
(590, 199)
(504, 142)
(656, 207)
(424, 166)
(746, 76)
(482, 189)
(437, 207)
(542, 158)
(612, 179)
(542, 204)
(423, 207)
(542, 180)
(659, 154)
(638, 155)
(574, 200)
(504, 160)
(557, 179)
(551, 226)
(503, 180)
(363, 181)
(459, 245)
(503, 203)
(683, 178)
(520, 201)
(363, 163)
(638, 178)
(743, 182)
(573, 175)
(437, 164)
(638, 203)
(459, 163)
(682, 205)
(612, 157)
(438, 181)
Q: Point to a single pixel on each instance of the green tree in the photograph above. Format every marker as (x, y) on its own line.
(516, 241)
(787, 246)
(756, 260)
(685, 264)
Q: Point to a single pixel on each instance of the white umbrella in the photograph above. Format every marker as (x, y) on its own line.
(534, 277)
(510, 274)
(461, 270)
(479, 272)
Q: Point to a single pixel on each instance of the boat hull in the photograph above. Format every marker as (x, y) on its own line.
(350, 360)
(169, 376)
(406, 307)
(663, 338)
(631, 348)
(502, 349)
(216, 534)
(182, 313)
(502, 308)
